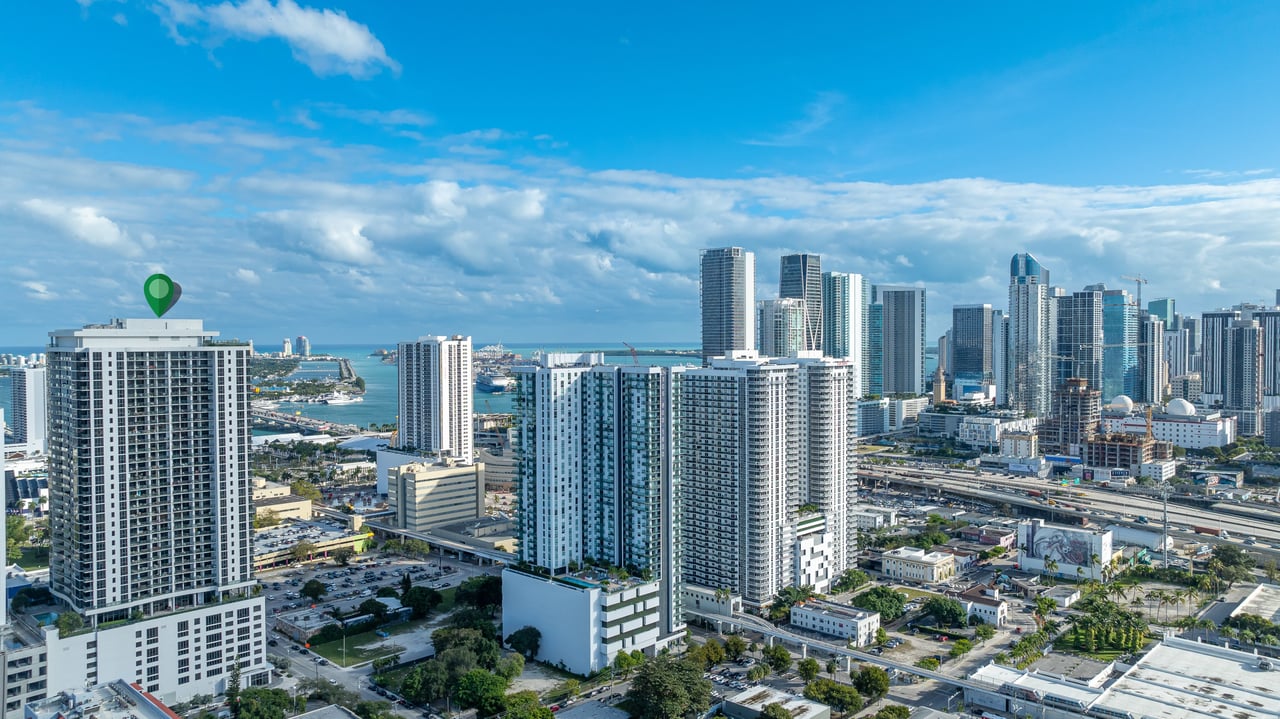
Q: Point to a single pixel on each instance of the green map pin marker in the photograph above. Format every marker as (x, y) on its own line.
(162, 293)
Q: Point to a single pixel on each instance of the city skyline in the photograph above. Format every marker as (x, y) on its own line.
(311, 175)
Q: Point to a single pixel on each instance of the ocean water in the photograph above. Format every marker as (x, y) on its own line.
(381, 400)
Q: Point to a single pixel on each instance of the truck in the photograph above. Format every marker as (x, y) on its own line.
(1034, 493)
(1211, 531)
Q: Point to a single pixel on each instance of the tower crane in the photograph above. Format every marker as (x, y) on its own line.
(1138, 281)
(635, 357)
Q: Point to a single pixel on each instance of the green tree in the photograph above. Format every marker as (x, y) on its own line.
(16, 535)
(668, 688)
(623, 663)
(232, 690)
(850, 581)
(984, 632)
(884, 600)
(893, 711)
(484, 649)
(945, 611)
(527, 641)
(405, 585)
(472, 618)
(371, 709)
(421, 600)
(509, 667)
(832, 667)
(69, 623)
(787, 598)
(526, 705)
(808, 668)
(881, 635)
(484, 592)
(263, 703)
(774, 710)
(713, 651)
(1231, 564)
(375, 609)
(960, 648)
(265, 518)
(313, 590)
(757, 672)
(841, 697)
(302, 551)
(929, 663)
(871, 681)
(342, 555)
(735, 646)
(483, 691)
(572, 687)
(387, 593)
(777, 657)
(306, 490)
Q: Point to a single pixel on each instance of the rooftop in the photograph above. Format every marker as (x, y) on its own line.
(756, 698)
(1180, 679)
(1263, 601)
(916, 554)
(1071, 666)
(291, 531)
(113, 700)
(835, 610)
(333, 711)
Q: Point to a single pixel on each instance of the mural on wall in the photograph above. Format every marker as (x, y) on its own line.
(1058, 545)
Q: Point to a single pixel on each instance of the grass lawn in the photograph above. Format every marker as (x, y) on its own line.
(915, 593)
(1066, 646)
(34, 558)
(356, 654)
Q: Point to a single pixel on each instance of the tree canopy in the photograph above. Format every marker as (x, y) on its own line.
(841, 697)
(483, 592)
(871, 681)
(945, 611)
(884, 600)
(526, 640)
(669, 688)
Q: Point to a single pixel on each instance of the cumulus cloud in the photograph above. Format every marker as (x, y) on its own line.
(551, 250)
(85, 224)
(327, 41)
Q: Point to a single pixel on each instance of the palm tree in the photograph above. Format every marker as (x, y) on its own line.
(1094, 561)
(1079, 575)
(832, 667)
(1051, 565)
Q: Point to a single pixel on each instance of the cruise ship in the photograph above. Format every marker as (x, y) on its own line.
(493, 382)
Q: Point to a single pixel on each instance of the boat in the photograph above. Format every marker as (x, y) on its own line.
(493, 382)
(341, 398)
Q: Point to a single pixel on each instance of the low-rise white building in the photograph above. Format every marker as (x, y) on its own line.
(750, 704)
(175, 656)
(984, 603)
(985, 431)
(918, 565)
(836, 620)
(585, 619)
(1061, 550)
(1160, 470)
(116, 699)
(868, 518)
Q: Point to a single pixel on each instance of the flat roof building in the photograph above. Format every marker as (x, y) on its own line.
(423, 496)
(836, 620)
(918, 564)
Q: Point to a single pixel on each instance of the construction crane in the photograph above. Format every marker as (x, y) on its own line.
(1138, 281)
(635, 357)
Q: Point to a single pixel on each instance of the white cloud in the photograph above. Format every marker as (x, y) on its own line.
(85, 224)
(399, 117)
(327, 41)
(817, 115)
(39, 291)
(247, 276)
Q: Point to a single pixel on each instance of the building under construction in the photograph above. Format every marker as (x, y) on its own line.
(1076, 415)
(1125, 451)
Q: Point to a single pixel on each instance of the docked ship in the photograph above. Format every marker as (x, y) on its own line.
(493, 382)
(341, 398)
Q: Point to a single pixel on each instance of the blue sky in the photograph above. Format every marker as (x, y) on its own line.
(371, 171)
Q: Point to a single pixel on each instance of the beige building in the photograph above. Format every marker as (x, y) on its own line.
(499, 470)
(918, 565)
(422, 496)
(278, 500)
